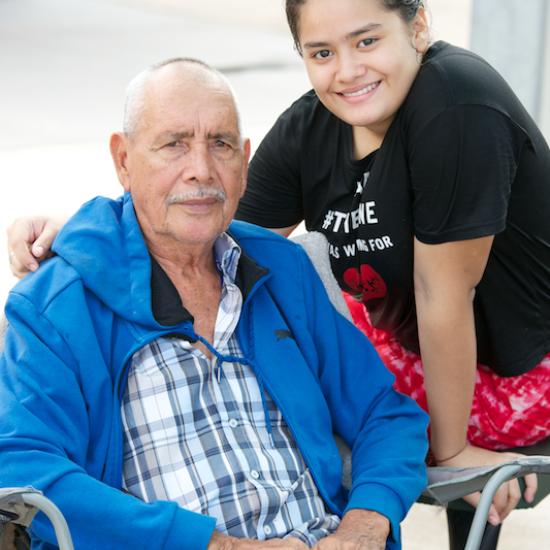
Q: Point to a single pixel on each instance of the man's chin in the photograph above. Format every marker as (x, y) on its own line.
(193, 236)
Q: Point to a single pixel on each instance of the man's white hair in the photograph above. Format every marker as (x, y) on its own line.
(134, 104)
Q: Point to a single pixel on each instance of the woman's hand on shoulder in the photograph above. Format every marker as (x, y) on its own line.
(508, 495)
(29, 243)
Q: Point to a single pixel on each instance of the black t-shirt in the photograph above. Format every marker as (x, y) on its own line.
(462, 159)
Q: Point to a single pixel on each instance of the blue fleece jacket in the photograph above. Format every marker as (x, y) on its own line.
(73, 327)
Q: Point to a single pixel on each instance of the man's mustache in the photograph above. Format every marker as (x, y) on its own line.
(197, 193)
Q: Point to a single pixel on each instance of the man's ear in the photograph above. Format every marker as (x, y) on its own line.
(246, 159)
(119, 151)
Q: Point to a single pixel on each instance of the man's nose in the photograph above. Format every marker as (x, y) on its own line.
(200, 164)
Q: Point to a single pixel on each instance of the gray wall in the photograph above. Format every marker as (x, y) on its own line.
(514, 36)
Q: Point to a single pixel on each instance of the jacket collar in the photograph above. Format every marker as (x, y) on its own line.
(166, 304)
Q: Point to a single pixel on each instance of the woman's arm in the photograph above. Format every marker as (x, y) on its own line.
(445, 277)
(30, 240)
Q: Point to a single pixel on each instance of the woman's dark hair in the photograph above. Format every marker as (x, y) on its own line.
(407, 10)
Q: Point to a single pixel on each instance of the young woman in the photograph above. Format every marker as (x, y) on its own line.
(431, 183)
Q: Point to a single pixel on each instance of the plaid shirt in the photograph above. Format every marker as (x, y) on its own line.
(196, 433)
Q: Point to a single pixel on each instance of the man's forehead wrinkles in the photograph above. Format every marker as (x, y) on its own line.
(213, 131)
(199, 113)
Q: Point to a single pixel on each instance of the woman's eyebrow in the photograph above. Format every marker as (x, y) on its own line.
(367, 28)
(353, 34)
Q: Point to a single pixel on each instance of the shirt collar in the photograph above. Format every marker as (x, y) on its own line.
(227, 254)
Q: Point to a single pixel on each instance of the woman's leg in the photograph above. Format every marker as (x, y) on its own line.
(506, 412)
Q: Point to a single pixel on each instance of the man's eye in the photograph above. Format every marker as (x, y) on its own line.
(322, 54)
(222, 149)
(172, 144)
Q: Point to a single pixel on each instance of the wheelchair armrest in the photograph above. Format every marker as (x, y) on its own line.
(13, 506)
(446, 484)
(20, 504)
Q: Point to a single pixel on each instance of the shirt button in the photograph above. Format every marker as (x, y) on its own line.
(233, 423)
(255, 474)
(267, 530)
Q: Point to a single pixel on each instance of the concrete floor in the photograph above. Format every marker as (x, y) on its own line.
(65, 65)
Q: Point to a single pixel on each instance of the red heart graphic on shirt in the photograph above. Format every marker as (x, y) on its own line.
(366, 282)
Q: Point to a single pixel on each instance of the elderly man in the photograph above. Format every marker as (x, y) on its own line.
(173, 380)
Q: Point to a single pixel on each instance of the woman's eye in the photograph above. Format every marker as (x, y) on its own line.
(322, 54)
(367, 42)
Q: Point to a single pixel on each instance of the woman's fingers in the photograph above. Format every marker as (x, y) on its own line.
(509, 494)
(29, 242)
(513, 495)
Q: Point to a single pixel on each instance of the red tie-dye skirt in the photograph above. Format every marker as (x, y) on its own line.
(506, 412)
